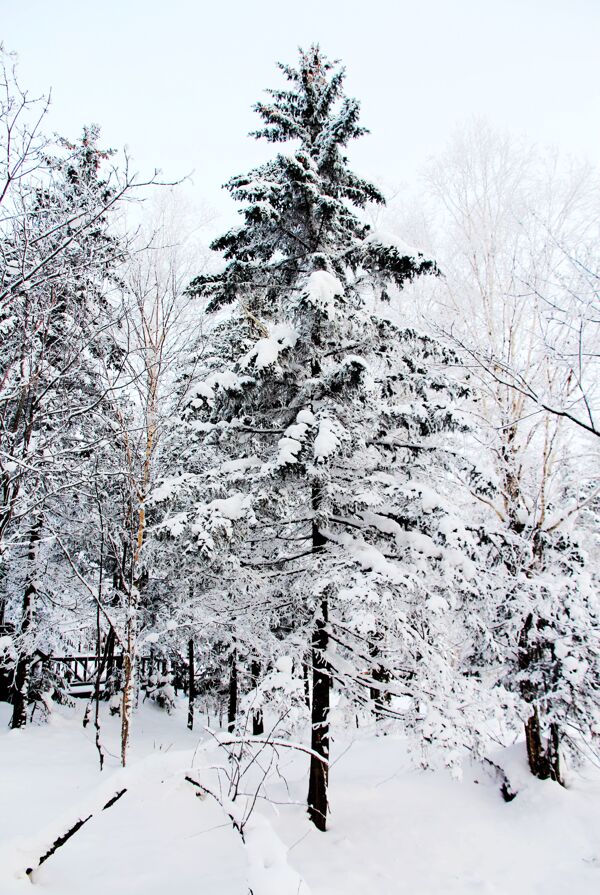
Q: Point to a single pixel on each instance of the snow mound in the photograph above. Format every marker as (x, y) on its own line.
(322, 288)
(327, 440)
(266, 351)
(393, 241)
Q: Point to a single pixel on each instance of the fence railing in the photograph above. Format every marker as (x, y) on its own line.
(81, 672)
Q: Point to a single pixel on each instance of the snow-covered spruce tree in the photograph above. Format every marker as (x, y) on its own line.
(335, 415)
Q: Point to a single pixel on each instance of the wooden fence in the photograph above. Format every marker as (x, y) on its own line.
(81, 672)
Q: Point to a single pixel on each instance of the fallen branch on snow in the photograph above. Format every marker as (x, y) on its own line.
(60, 840)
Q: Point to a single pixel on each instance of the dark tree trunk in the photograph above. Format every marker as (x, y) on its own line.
(21, 684)
(101, 657)
(381, 675)
(553, 754)
(543, 754)
(109, 652)
(319, 769)
(233, 693)
(191, 684)
(6, 678)
(5, 685)
(257, 716)
(318, 780)
(306, 684)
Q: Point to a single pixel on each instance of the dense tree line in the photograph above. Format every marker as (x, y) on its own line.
(327, 476)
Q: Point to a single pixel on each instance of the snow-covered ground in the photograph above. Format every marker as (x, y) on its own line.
(392, 829)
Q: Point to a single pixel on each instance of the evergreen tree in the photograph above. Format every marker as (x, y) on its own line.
(331, 418)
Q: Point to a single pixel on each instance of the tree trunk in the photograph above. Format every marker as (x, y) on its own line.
(128, 681)
(543, 754)
(535, 749)
(233, 693)
(5, 676)
(21, 684)
(305, 677)
(191, 684)
(101, 658)
(257, 716)
(109, 651)
(553, 754)
(319, 769)
(380, 675)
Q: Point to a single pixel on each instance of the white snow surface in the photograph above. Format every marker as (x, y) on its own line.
(393, 830)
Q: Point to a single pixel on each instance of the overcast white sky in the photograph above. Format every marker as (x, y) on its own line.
(175, 81)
